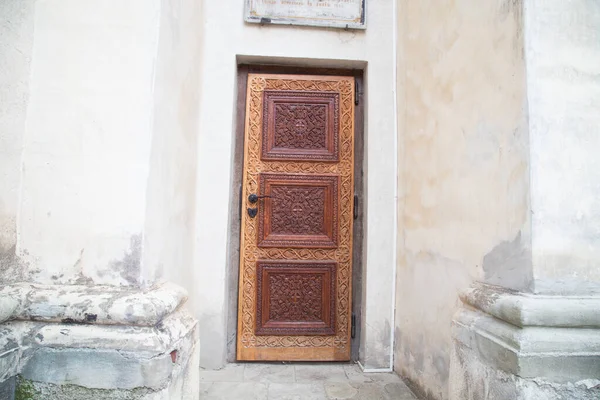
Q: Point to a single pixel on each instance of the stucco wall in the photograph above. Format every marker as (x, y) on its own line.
(168, 234)
(99, 125)
(226, 37)
(463, 170)
(563, 63)
(87, 140)
(16, 31)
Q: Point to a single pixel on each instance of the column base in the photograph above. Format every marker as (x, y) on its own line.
(510, 345)
(155, 358)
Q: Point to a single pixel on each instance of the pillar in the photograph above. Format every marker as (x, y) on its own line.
(543, 341)
(101, 101)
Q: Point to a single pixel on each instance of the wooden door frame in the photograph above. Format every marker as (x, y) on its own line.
(233, 261)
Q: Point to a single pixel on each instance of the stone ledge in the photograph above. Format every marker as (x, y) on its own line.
(473, 378)
(98, 305)
(522, 309)
(104, 357)
(555, 354)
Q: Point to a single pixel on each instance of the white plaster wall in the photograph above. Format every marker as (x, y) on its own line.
(463, 171)
(16, 42)
(168, 235)
(563, 63)
(87, 140)
(227, 36)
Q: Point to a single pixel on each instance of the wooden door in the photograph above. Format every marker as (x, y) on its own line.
(296, 244)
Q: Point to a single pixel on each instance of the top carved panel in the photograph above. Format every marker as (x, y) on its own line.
(300, 126)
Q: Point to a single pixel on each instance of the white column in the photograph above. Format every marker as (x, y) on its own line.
(87, 141)
(563, 64)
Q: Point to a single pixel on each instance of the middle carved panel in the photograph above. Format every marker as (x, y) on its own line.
(302, 211)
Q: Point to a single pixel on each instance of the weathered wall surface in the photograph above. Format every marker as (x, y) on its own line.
(563, 64)
(87, 141)
(227, 36)
(99, 124)
(16, 31)
(463, 171)
(168, 235)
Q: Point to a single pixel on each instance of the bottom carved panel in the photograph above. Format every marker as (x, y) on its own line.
(295, 298)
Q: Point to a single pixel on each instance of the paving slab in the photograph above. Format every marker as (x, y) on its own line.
(340, 390)
(236, 391)
(355, 374)
(269, 373)
(320, 373)
(229, 373)
(275, 381)
(398, 391)
(297, 391)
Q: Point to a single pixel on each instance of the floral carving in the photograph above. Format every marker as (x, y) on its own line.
(295, 297)
(300, 126)
(298, 210)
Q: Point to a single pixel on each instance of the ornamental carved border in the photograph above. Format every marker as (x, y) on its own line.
(250, 253)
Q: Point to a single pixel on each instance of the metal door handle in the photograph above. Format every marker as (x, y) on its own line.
(253, 198)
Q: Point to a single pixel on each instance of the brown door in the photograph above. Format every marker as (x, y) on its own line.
(296, 239)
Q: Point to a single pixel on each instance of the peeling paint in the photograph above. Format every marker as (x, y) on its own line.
(509, 264)
(12, 268)
(129, 267)
(441, 362)
(90, 304)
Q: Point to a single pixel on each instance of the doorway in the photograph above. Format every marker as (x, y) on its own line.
(301, 226)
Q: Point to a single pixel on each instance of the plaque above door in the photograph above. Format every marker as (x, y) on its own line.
(347, 14)
(296, 230)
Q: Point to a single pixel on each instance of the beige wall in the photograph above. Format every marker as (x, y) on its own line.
(463, 170)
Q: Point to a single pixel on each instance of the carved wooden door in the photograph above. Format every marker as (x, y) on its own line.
(296, 239)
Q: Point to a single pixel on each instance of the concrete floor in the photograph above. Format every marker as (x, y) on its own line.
(300, 382)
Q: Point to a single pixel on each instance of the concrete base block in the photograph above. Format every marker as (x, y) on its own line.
(500, 354)
(471, 379)
(7, 389)
(183, 385)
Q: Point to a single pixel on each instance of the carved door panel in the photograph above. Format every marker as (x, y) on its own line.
(296, 239)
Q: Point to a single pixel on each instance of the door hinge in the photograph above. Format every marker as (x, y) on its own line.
(355, 208)
(353, 326)
(356, 92)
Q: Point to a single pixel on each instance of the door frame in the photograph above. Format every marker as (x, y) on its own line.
(235, 206)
